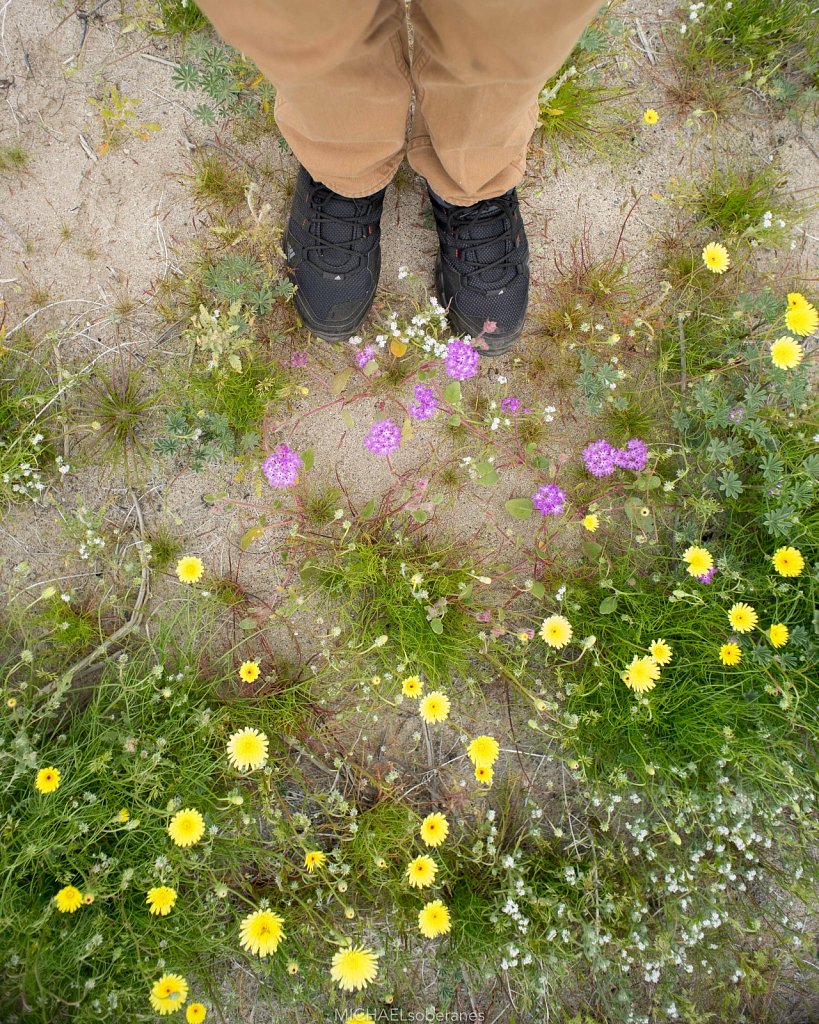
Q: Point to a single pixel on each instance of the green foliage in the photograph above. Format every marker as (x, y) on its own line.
(24, 449)
(233, 85)
(203, 437)
(12, 158)
(389, 587)
(118, 114)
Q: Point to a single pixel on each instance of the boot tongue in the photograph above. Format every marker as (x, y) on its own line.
(340, 234)
(499, 275)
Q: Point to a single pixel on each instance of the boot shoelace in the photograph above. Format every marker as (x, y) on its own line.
(319, 195)
(504, 218)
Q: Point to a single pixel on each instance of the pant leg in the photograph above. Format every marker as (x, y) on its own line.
(478, 68)
(341, 73)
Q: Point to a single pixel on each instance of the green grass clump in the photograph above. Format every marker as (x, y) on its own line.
(12, 158)
(417, 597)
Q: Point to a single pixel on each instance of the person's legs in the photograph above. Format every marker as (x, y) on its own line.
(342, 79)
(478, 68)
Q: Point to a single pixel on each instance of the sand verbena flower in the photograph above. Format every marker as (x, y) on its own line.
(434, 920)
(353, 968)
(261, 932)
(186, 827)
(168, 994)
(247, 749)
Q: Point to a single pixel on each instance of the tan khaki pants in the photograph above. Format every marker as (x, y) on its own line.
(343, 84)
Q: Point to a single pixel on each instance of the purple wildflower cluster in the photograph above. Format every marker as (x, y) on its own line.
(510, 405)
(601, 458)
(298, 359)
(707, 576)
(425, 405)
(549, 500)
(364, 356)
(461, 360)
(282, 467)
(384, 438)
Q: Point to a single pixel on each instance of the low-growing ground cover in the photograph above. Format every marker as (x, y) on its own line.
(380, 681)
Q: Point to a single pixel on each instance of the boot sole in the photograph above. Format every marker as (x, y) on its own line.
(499, 345)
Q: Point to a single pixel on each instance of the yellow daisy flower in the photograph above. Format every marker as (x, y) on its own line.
(483, 750)
(360, 1018)
(195, 1013)
(651, 116)
(186, 827)
(660, 652)
(47, 780)
(421, 871)
(556, 631)
(353, 968)
(700, 561)
(641, 675)
(190, 569)
(434, 920)
(168, 994)
(802, 318)
(434, 707)
(485, 774)
(786, 353)
(715, 257)
(249, 671)
(161, 900)
(742, 617)
(412, 686)
(730, 654)
(796, 300)
(315, 859)
(292, 967)
(434, 829)
(591, 522)
(261, 932)
(778, 634)
(788, 561)
(123, 815)
(68, 899)
(247, 749)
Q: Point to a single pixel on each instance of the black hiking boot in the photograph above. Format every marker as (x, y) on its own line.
(333, 251)
(483, 269)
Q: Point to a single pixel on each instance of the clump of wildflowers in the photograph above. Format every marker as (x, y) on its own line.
(384, 438)
(425, 405)
(282, 467)
(601, 458)
(549, 500)
(461, 360)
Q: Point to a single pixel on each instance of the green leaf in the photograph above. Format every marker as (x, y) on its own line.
(487, 474)
(248, 624)
(250, 536)
(367, 510)
(537, 589)
(347, 419)
(420, 516)
(454, 421)
(520, 508)
(608, 604)
(339, 381)
(436, 626)
(211, 499)
(307, 457)
(591, 549)
(452, 392)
